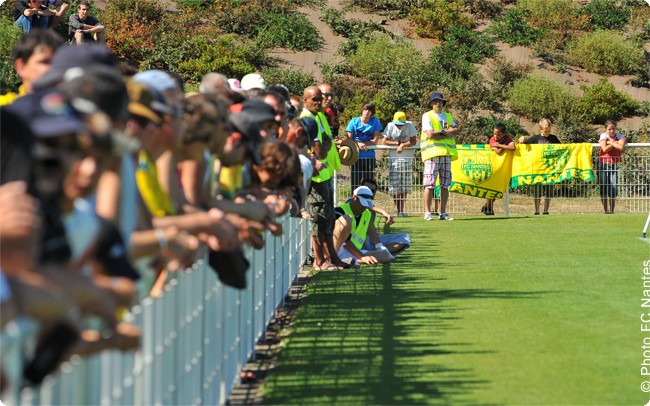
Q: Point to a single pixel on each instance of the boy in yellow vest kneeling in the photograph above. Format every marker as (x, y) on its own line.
(353, 224)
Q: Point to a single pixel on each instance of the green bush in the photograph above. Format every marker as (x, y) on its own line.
(437, 17)
(537, 97)
(602, 102)
(513, 28)
(291, 30)
(274, 24)
(606, 52)
(608, 14)
(400, 7)
(9, 36)
(224, 54)
(296, 82)
(348, 28)
(504, 73)
(484, 8)
(558, 20)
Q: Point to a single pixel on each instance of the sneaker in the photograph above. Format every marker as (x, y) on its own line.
(402, 214)
(428, 216)
(435, 213)
(445, 216)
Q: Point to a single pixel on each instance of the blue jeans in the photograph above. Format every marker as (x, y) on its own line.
(25, 23)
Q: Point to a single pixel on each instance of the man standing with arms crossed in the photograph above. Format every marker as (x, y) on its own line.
(438, 149)
(321, 193)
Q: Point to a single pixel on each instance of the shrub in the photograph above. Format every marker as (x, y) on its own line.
(290, 30)
(401, 7)
(606, 52)
(296, 82)
(276, 24)
(470, 45)
(484, 8)
(224, 54)
(602, 102)
(438, 16)
(348, 28)
(513, 28)
(558, 20)
(504, 73)
(608, 14)
(9, 36)
(537, 97)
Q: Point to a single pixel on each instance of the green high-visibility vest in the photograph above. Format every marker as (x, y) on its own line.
(359, 231)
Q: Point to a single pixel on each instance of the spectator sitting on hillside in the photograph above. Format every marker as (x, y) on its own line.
(84, 27)
(355, 222)
(544, 137)
(58, 9)
(499, 143)
(32, 13)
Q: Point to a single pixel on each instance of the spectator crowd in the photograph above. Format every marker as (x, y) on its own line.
(103, 168)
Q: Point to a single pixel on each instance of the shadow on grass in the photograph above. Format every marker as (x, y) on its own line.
(370, 337)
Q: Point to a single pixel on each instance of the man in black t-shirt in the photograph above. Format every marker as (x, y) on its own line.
(84, 27)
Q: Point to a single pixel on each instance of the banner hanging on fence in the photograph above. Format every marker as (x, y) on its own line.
(549, 164)
(480, 172)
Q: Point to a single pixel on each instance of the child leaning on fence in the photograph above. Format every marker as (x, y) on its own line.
(609, 156)
(402, 134)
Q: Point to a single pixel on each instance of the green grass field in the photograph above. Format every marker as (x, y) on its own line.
(482, 310)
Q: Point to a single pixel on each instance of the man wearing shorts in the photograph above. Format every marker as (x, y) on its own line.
(438, 150)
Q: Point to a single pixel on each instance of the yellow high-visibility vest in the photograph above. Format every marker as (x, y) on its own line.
(359, 231)
(431, 147)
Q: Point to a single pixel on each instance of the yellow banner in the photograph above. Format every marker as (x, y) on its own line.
(480, 172)
(549, 164)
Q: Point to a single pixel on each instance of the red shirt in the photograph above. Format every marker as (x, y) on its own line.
(505, 141)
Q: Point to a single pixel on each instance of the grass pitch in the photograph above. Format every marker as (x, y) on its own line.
(481, 310)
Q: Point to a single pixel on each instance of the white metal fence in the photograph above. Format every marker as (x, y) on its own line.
(195, 337)
(571, 196)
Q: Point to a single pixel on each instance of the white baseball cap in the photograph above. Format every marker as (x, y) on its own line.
(364, 194)
(253, 81)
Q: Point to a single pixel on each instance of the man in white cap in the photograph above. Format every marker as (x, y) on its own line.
(355, 222)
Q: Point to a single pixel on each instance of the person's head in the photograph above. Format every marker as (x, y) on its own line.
(243, 140)
(313, 99)
(362, 199)
(499, 131)
(437, 102)
(295, 134)
(276, 101)
(399, 119)
(35, 3)
(544, 127)
(370, 184)
(328, 94)
(205, 123)
(296, 102)
(265, 116)
(214, 83)
(610, 128)
(33, 54)
(368, 110)
(278, 167)
(84, 9)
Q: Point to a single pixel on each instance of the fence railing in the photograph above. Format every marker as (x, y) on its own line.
(195, 337)
(571, 196)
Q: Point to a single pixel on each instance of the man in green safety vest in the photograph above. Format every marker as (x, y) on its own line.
(356, 222)
(438, 149)
(320, 199)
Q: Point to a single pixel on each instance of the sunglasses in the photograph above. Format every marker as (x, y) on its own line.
(328, 95)
(317, 99)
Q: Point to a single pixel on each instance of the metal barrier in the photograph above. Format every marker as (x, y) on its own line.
(195, 337)
(568, 197)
